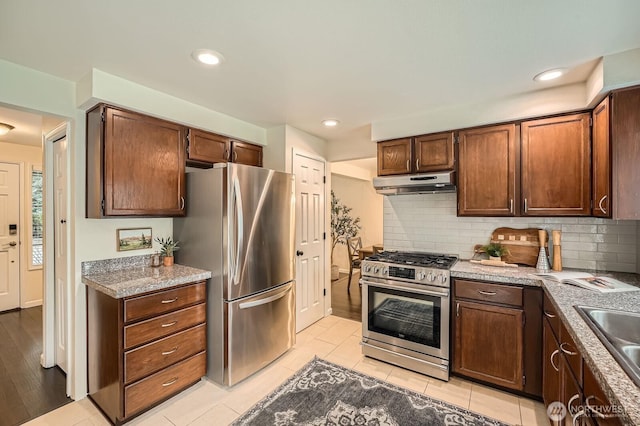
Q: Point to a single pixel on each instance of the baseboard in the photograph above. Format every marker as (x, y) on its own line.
(32, 304)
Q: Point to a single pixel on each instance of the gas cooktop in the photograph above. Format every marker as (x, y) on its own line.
(425, 260)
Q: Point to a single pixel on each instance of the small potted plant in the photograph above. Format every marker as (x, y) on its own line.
(168, 246)
(495, 251)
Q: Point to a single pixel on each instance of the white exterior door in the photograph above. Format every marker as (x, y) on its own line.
(9, 241)
(310, 243)
(60, 250)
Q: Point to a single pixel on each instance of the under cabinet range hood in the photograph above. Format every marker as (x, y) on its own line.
(428, 183)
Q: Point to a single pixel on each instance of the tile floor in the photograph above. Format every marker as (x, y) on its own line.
(334, 339)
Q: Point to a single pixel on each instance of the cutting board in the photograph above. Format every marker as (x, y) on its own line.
(523, 244)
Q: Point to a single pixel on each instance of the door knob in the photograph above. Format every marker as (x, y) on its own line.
(299, 253)
(63, 221)
(13, 244)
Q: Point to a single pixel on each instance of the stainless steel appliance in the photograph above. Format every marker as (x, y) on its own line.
(405, 310)
(240, 226)
(427, 183)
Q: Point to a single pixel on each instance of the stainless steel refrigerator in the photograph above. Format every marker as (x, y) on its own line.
(240, 226)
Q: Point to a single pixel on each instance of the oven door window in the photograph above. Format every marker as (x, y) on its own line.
(407, 316)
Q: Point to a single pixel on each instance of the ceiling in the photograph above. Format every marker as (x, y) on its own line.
(29, 127)
(299, 62)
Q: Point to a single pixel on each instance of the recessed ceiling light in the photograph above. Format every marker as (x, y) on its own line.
(5, 128)
(207, 56)
(549, 75)
(331, 122)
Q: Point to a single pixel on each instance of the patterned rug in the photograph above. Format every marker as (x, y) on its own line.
(323, 393)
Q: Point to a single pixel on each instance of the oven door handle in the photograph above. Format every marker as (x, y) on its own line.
(406, 288)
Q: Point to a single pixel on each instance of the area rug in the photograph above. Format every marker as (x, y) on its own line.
(323, 393)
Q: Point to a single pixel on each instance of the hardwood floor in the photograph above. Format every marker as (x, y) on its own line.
(347, 305)
(26, 390)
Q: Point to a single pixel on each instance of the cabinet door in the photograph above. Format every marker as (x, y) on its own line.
(571, 396)
(433, 153)
(487, 171)
(601, 161)
(246, 153)
(625, 145)
(143, 165)
(596, 402)
(394, 157)
(556, 159)
(207, 147)
(550, 365)
(488, 343)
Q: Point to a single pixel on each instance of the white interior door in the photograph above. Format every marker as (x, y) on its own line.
(310, 241)
(9, 241)
(60, 250)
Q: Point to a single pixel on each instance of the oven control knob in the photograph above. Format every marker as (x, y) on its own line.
(443, 278)
(376, 270)
(421, 276)
(367, 268)
(431, 277)
(385, 270)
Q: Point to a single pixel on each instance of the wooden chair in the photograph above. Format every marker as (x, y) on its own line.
(353, 245)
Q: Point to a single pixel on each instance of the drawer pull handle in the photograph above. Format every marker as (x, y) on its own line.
(170, 382)
(594, 410)
(170, 352)
(553, 364)
(548, 315)
(169, 300)
(566, 351)
(487, 293)
(170, 324)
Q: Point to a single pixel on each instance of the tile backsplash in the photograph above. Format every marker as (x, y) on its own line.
(429, 223)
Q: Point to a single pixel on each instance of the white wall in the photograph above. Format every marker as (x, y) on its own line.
(429, 223)
(366, 204)
(273, 155)
(31, 279)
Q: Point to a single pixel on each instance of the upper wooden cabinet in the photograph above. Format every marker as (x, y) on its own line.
(487, 178)
(433, 153)
(135, 165)
(625, 149)
(420, 154)
(394, 157)
(601, 161)
(556, 172)
(246, 153)
(207, 147)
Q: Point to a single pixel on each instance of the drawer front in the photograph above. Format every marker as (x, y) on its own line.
(164, 352)
(549, 311)
(164, 325)
(163, 384)
(163, 301)
(486, 292)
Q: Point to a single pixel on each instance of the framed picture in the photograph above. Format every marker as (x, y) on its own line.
(133, 239)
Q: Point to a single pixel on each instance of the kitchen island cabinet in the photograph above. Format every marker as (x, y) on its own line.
(135, 165)
(488, 181)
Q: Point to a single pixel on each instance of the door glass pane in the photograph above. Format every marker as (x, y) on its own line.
(36, 217)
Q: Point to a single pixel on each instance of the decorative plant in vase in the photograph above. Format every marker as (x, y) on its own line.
(168, 246)
(495, 251)
(343, 226)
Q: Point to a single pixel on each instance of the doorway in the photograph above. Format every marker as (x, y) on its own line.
(310, 238)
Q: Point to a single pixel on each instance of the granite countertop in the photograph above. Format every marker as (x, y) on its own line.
(616, 384)
(129, 281)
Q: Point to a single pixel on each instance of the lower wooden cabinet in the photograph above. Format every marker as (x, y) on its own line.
(145, 348)
(491, 331)
(567, 378)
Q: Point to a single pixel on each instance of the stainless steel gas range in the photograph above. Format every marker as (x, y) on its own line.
(405, 310)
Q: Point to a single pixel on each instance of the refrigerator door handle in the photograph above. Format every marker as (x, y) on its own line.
(254, 303)
(238, 227)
